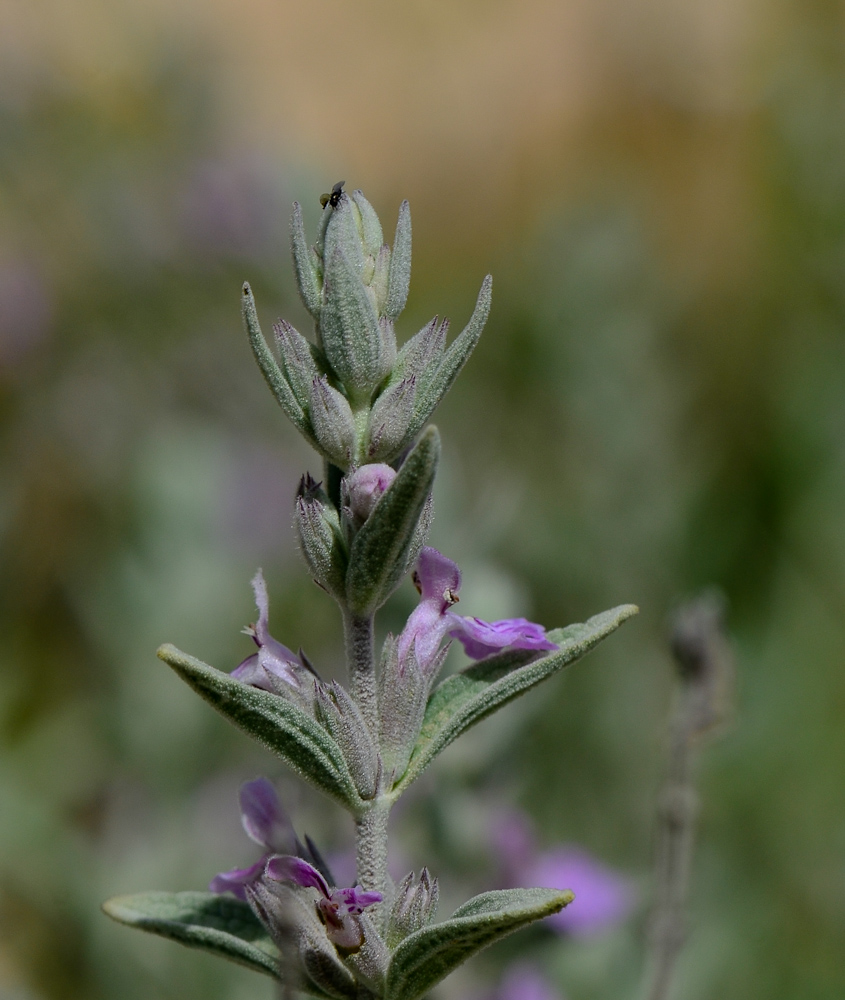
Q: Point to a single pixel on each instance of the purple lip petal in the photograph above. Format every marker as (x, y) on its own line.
(355, 900)
(482, 638)
(438, 580)
(262, 815)
(234, 881)
(287, 868)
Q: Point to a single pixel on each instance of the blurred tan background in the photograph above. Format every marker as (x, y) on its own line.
(658, 404)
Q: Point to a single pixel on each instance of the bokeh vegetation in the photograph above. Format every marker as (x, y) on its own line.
(658, 404)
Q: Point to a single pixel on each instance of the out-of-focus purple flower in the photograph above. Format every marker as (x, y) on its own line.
(364, 488)
(339, 909)
(438, 580)
(524, 981)
(511, 836)
(603, 897)
(273, 661)
(265, 822)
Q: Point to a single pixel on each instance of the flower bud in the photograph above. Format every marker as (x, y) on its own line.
(414, 906)
(320, 537)
(403, 692)
(297, 361)
(333, 423)
(342, 718)
(350, 334)
(390, 418)
(362, 490)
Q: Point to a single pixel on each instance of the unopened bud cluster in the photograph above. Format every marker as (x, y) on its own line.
(351, 393)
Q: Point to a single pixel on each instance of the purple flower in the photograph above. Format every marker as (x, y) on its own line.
(603, 897)
(338, 909)
(265, 822)
(364, 487)
(273, 662)
(482, 638)
(524, 981)
(438, 580)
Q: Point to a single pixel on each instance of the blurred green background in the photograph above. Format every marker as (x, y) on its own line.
(658, 403)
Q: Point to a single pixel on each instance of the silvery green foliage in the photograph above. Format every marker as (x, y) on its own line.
(221, 924)
(351, 395)
(363, 404)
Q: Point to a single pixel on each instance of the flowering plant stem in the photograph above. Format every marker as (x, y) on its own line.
(363, 403)
(371, 846)
(371, 827)
(360, 659)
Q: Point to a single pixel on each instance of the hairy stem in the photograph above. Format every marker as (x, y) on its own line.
(371, 847)
(360, 661)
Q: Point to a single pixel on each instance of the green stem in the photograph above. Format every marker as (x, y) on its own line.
(371, 827)
(362, 669)
(371, 846)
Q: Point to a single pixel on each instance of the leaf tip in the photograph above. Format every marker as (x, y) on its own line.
(116, 908)
(166, 651)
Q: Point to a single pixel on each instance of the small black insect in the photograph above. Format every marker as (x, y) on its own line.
(333, 198)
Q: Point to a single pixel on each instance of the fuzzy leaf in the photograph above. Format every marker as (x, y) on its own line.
(469, 696)
(455, 358)
(399, 279)
(429, 955)
(307, 280)
(379, 554)
(371, 234)
(351, 335)
(270, 369)
(279, 724)
(220, 924)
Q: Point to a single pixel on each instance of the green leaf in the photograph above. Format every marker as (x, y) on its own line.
(307, 280)
(279, 724)
(429, 955)
(469, 696)
(454, 359)
(378, 557)
(349, 328)
(273, 375)
(399, 278)
(220, 924)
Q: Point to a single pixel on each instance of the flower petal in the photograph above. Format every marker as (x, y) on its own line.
(262, 816)
(287, 868)
(354, 900)
(438, 578)
(482, 638)
(273, 658)
(235, 880)
(603, 897)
